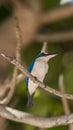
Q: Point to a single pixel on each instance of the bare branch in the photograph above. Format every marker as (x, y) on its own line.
(62, 89)
(64, 101)
(44, 47)
(5, 88)
(55, 37)
(45, 87)
(7, 99)
(57, 14)
(41, 122)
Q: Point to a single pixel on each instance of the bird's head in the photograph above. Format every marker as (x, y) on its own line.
(45, 56)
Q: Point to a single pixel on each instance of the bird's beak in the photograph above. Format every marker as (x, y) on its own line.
(51, 56)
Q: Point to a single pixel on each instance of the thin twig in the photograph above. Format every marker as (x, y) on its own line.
(44, 47)
(4, 88)
(7, 99)
(45, 87)
(20, 78)
(64, 101)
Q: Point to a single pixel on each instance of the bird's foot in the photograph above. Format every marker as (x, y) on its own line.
(35, 77)
(44, 86)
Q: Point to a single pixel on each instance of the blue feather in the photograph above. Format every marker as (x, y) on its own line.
(39, 55)
(29, 70)
(31, 67)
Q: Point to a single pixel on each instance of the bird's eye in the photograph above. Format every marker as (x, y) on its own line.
(44, 54)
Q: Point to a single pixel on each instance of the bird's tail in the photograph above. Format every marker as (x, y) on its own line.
(30, 100)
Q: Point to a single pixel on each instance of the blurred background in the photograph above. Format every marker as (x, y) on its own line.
(45, 104)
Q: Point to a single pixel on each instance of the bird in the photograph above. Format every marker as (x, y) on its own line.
(62, 2)
(38, 68)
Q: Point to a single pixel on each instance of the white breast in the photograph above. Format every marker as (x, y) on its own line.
(39, 71)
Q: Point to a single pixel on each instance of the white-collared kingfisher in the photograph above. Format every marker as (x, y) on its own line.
(38, 68)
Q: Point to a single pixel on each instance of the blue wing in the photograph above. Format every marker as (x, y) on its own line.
(29, 70)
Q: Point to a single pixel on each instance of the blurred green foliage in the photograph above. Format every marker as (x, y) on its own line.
(63, 63)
